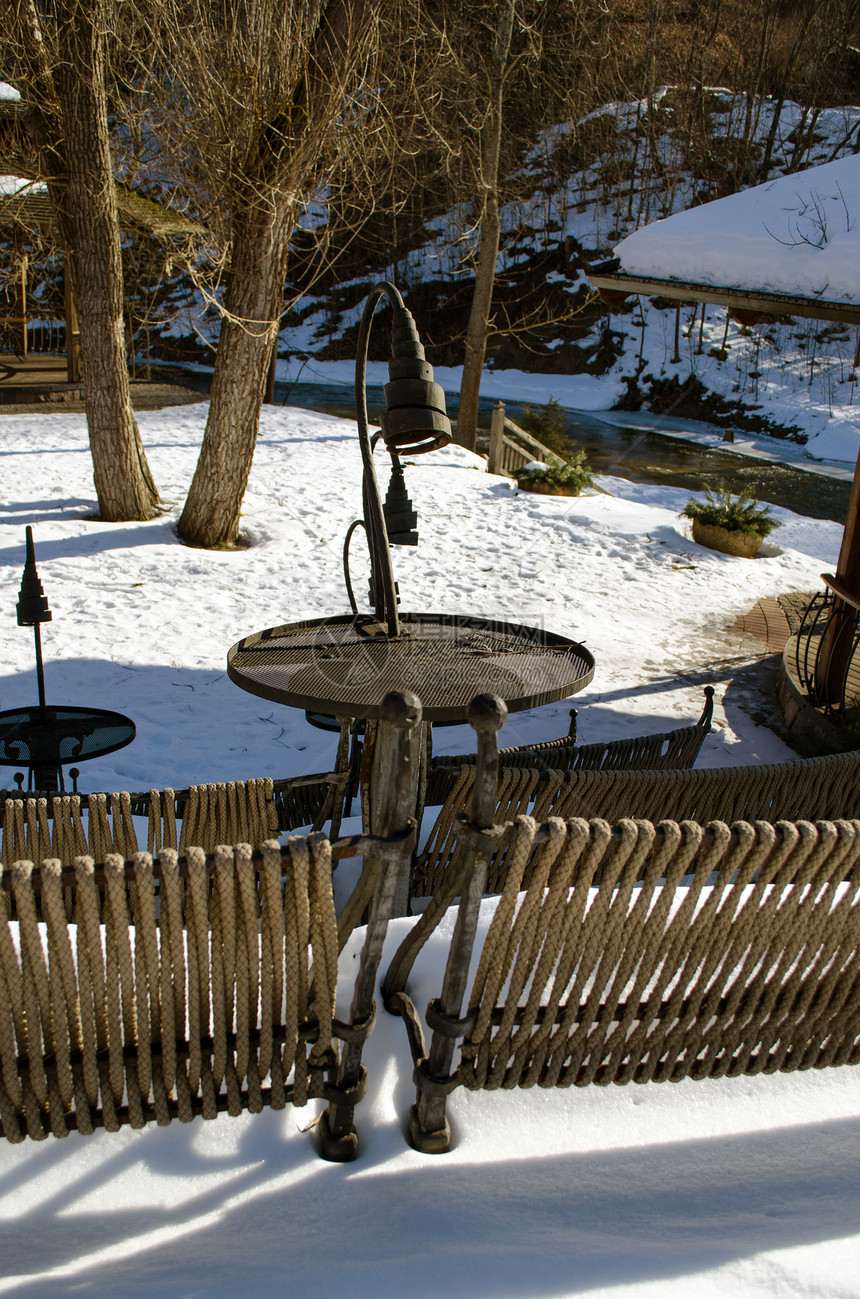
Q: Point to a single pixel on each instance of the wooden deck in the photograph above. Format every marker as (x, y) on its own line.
(38, 383)
(37, 378)
(766, 621)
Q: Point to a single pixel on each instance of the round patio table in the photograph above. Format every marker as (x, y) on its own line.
(45, 738)
(345, 666)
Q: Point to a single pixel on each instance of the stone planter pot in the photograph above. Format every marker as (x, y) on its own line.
(743, 544)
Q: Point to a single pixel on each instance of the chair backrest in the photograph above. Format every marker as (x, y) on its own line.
(663, 750)
(34, 826)
(812, 789)
(138, 990)
(183, 987)
(638, 951)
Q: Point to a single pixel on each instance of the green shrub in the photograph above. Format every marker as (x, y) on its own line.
(572, 476)
(548, 424)
(735, 513)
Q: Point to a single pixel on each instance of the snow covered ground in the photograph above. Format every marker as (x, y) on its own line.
(746, 1187)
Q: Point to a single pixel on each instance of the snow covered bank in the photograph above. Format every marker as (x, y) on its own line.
(741, 1186)
(143, 624)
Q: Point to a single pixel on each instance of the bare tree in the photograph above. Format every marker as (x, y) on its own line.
(58, 56)
(487, 204)
(256, 93)
(513, 67)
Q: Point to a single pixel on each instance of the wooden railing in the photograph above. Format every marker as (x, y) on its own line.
(507, 454)
(33, 335)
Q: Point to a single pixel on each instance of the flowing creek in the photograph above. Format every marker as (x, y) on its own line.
(625, 452)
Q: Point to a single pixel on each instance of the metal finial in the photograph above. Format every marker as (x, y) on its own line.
(32, 601)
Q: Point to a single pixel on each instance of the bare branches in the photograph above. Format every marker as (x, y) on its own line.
(812, 223)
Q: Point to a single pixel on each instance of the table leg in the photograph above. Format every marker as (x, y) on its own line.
(392, 808)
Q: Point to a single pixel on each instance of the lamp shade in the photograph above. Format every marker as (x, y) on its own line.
(415, 419)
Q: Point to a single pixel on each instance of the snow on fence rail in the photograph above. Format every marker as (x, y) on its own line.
(507, 454)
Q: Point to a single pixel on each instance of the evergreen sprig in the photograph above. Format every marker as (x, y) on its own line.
(573, 476)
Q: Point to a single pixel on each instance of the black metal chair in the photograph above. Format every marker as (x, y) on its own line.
(666, 750)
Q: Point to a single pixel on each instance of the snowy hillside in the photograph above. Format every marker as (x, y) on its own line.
(782, 375)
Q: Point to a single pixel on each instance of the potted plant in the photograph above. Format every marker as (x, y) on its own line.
(732, 524)
(556, 480)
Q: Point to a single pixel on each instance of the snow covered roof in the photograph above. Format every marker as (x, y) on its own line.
(25, 202)
(791, 245)
(13, 186)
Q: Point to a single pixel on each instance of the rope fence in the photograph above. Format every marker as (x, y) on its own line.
(645, 952)
(707, 925)
(171, 995)
(650, 926)
(698, 954)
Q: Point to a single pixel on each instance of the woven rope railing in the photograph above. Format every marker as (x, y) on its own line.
(809, 789)
(68, 825)
(666, 750)
(182, 986)
(140, 990)
(186, 993)
(638, 951)
(649, 953)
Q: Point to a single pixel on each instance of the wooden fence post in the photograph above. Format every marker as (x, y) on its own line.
(497, 439)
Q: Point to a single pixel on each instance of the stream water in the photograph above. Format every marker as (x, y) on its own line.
(640, 456)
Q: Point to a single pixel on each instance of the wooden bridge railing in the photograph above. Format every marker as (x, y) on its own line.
(507, 454)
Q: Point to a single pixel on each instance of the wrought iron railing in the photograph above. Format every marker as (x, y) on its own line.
(826, 652)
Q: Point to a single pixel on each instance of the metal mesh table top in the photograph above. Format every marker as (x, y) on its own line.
(56, 735)
(345, 666)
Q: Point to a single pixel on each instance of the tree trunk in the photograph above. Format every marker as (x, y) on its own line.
(252, 305)
(288, 148)
(479, 324)
(89, 227)
(485, 273)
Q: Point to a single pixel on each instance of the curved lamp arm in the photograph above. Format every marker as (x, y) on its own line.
(415, 421)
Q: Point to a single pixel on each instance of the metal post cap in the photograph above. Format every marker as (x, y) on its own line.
(487, 713)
